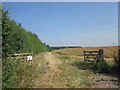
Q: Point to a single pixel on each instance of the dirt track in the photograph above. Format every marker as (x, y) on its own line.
(52, 61)
(51, 79)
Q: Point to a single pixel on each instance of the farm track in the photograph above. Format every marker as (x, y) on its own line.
(51, 79)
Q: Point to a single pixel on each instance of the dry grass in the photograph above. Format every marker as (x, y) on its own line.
(109, 51)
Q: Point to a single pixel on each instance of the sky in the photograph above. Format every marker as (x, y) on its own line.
(69, 23)
(60, 0)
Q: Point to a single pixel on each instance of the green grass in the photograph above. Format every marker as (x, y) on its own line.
(72, 76)
(82, 65)
(96, 67)
(67, 59)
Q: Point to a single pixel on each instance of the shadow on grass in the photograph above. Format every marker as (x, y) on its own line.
(96, 67)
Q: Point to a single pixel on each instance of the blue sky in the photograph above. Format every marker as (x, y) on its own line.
(69, 23)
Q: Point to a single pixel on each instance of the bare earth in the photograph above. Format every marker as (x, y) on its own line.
(103, 81)
(51, 78)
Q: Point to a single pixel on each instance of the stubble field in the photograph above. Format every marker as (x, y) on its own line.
(109, 51)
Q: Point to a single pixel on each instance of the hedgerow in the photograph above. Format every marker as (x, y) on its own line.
(15, 39)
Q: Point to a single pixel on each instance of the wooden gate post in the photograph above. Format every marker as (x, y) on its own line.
(101, 54)
(84, 56)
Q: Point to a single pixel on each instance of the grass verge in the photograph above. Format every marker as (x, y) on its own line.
(72, 77)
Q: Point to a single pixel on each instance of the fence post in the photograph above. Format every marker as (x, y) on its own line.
(101, 53)
(84, 56)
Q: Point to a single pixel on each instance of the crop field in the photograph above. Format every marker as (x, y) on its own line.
(109, 51)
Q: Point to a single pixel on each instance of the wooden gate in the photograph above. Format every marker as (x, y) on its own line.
(94, 55)
(23, 55)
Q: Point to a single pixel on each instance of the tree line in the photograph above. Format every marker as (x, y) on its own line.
(62, 47)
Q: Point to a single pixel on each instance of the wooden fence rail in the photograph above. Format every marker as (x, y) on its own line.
(94, 55)
(27, 56)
